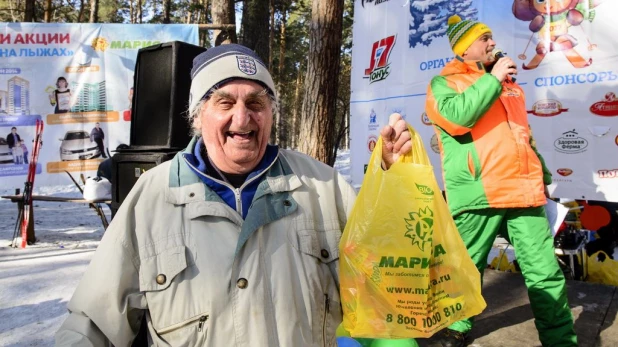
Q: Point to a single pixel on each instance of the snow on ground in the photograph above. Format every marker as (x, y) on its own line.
(37, 282)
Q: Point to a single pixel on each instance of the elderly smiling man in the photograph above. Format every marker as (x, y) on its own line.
(234, 242)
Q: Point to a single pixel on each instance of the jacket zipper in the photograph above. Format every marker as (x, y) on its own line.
(327, 310)
(202, 319)
(237, 191)
(521, 152)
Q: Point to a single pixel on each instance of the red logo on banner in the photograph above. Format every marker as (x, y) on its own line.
(379, 67)
(608, 173)
(607, 107)
(371, 143)
(564, 172)
(547, 108)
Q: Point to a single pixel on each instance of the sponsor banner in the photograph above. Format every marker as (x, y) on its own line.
(78, 78)
(567, 71)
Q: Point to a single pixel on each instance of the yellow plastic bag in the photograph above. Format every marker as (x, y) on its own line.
(605, 272)
(404, 270)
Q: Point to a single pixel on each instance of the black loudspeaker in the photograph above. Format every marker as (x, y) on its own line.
(127, 167)
(161, 86)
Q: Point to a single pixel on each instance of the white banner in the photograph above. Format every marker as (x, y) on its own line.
(570, 95)
(78, 78)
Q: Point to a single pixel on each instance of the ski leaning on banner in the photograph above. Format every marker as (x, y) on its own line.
(404, 270)
(24, 217)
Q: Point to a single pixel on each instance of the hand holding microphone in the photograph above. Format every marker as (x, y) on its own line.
(503, 66)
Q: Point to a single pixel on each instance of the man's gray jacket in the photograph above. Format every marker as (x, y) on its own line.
(204, 276)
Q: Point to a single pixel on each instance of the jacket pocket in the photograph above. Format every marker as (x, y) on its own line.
(191, 332)
(320, 244)
(157, 272)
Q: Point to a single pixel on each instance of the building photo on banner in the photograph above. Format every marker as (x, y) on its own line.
(567, 68)
(78, 79)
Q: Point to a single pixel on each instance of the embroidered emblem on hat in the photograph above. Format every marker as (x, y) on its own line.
(246, 64)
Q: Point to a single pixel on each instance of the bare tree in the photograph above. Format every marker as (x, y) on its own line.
(222, 12)
(317, 127)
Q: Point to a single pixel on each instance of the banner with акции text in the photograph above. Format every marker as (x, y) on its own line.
(77, 78)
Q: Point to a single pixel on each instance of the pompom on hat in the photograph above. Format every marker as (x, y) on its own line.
(222, 64)
(462, 33)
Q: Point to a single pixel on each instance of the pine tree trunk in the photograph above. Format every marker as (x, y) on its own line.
(139, 11)
(271, 35)
(132, 11)
(255, 19)
(222, 12)
(294, 131)
(167, 5)
(320, 101)
(280, 127)
(80, 16)
(48, 8)
(29, 12)
(94, 11)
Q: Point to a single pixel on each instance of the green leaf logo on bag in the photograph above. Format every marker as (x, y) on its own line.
(425, 190)
(420, 227)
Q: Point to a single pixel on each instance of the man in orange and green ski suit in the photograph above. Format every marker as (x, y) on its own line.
(494, 177)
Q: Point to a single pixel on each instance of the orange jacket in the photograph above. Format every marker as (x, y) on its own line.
(485, 142)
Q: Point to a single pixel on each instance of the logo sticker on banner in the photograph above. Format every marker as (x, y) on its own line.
(608, 173)
(564, 172)
(433, 143)
(371, 143)
(373, 121)
(424, 119)
(547, 108)
(607, 108)
(571, 142)
(379, 66)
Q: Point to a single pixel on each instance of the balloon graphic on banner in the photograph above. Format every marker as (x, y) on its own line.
(552, 21)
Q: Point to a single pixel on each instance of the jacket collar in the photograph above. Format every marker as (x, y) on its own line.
(184, 186)
(460, 65)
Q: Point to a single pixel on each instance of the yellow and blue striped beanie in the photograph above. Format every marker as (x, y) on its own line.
(462, 33)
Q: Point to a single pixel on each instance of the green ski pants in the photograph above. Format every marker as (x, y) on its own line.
(528, 231)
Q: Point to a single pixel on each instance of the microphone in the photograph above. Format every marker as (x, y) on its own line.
(498, 53)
